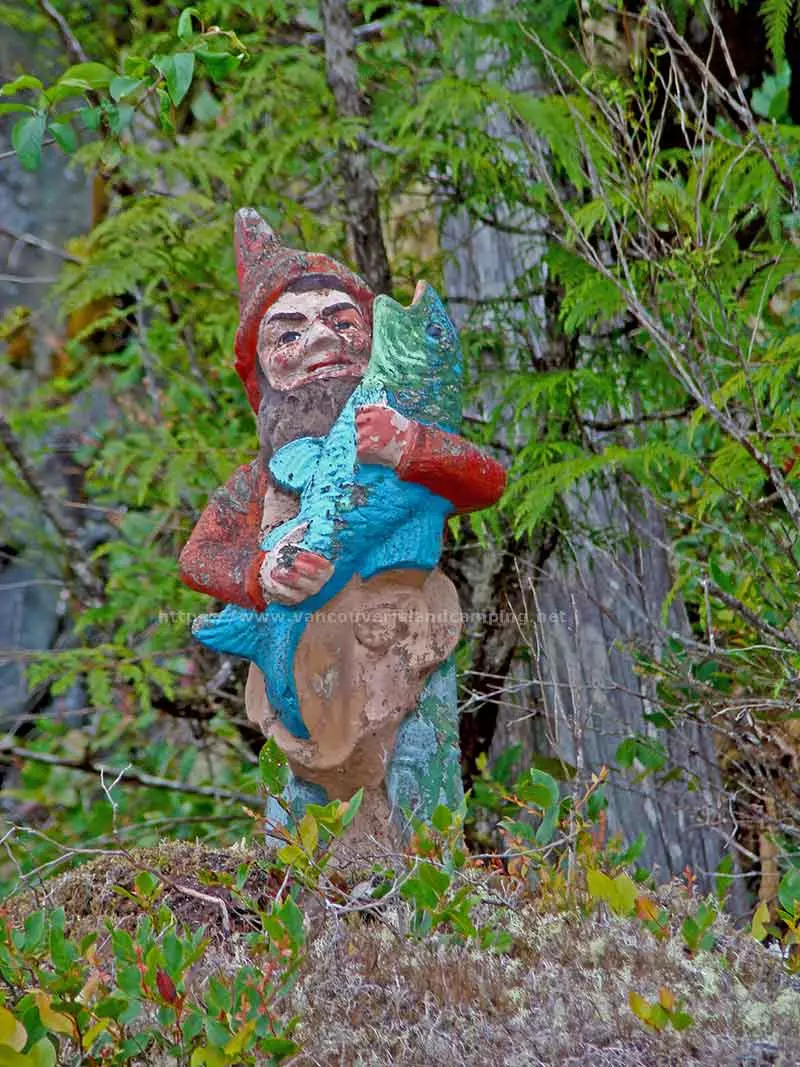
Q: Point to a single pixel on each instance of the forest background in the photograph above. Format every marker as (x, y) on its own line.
(606, 197)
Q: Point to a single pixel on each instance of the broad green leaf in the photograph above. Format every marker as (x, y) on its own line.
(240, 1040)
(42, 1054)
(789, 891)
(185, 27)
(25, 81)
(218, 64)
(273, 768)
(309, 833)
(124, 86)
(436, 878)
(87, 76)
(12, 1032)
(353, 804)
(26, 137)
(278, 1047)
(442, 818)
(178, 70)
(760, 917)
(65, 136)
(9, 1057)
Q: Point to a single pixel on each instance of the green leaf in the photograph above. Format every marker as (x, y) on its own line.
(65, 136)
(25, 81)
(218, 1034)
(11, 1058)
(436, 878)
(208, 1057)
(309, 833)
(760, 918)
(178, 70)
(124, 86)
(417, 890)
(34, 930)
(12, 1032)
(42, 1054)
(539, 789)
(278, 1047)
(26, 137)
(185, 27)
(353, 804)
(87, 76)
(9, 109)
(789, 891)
(218, 64)
(273, 768)
(681, 1020)
(441, 818)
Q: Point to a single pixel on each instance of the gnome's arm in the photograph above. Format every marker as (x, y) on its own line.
(223, 556)
(445, 463)
(452, 467)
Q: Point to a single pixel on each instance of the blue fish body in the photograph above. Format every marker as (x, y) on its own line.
(360, 516)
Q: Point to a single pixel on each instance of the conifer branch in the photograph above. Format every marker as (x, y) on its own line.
(51, 506)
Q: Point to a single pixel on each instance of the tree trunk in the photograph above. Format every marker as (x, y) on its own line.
(564, 683)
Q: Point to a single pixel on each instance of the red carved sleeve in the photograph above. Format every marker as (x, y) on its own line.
(452, 467)
(222, 557)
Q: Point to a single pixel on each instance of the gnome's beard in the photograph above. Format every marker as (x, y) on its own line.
(308, 410)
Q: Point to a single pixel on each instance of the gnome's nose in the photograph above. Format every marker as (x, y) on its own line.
(319, 336)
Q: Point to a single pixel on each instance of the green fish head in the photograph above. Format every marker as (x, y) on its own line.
(416, 355)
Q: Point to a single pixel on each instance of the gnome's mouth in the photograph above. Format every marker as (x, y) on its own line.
(330, 366)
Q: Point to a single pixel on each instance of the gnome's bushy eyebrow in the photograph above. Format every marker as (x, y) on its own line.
(287, 316)
(345, 305)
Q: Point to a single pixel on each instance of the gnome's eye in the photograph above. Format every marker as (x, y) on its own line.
(434, 331)
(342, 324)
(288, 337)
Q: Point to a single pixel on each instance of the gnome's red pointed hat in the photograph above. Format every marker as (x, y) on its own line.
(267, 268)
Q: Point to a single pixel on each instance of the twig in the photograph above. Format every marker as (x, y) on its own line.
(39, 242)
(637, 420)
(9, 753)
(71, 42)
(11, 153)
(21, 279)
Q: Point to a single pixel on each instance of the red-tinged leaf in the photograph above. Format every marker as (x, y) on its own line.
(166, 987)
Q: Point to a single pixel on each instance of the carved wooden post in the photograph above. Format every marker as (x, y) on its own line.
(326, 546)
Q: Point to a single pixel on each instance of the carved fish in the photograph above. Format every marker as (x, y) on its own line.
(360, 516)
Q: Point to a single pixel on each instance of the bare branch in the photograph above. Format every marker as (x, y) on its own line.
(10, 754)
(71, 43)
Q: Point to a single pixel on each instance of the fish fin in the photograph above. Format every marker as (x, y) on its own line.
(294, 464)
(232, 631)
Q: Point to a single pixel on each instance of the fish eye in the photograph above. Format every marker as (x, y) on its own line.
(288, 337)
(434, 331)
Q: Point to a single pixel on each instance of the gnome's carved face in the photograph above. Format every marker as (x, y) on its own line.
(302, 315)
(309, 335)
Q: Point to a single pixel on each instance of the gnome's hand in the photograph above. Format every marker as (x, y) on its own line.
(290, 574)
(383, 435)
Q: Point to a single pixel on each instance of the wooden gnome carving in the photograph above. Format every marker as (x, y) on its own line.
(325, 547)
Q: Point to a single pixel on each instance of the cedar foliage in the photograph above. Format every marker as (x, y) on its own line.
(671, 213)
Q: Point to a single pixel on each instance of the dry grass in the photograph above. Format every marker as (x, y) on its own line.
(559, 998)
